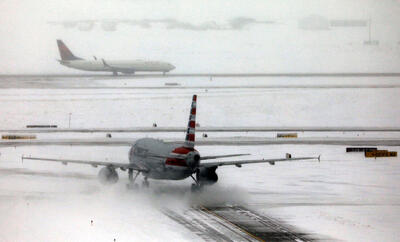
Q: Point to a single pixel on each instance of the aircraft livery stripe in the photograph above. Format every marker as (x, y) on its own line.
(190, 137)
(190, 133)
(175, 162)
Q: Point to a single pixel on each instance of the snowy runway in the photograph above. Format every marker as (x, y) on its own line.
(235, 223)
(346, 196)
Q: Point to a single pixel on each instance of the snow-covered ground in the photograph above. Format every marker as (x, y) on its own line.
(345, 196)
(217, 107)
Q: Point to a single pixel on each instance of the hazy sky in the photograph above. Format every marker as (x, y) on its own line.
(27, 43)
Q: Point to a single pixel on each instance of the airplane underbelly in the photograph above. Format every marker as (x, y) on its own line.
(168, 175)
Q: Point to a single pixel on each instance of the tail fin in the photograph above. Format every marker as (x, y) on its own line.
(191, 129)
(65, 53)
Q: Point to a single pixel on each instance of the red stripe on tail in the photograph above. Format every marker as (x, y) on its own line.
(190, 133)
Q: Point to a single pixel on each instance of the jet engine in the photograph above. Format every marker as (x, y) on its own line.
(193, 159)
(207, 176)
(108, 175)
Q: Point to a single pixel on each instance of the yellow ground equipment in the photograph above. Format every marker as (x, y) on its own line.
(15, 136)
(286, 135)
(380, 153)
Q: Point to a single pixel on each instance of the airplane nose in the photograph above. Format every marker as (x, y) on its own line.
(172, 66)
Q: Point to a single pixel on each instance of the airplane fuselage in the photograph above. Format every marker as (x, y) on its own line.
(143, 154)
(124, 66)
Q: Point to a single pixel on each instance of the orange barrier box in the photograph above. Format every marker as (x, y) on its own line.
(380, 153)
(286, 135)
(13, 136)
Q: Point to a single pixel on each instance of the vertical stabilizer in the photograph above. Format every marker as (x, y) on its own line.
(191, 128)
(65, 53)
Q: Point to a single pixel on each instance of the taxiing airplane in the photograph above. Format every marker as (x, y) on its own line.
(124, 66)
(156, 159)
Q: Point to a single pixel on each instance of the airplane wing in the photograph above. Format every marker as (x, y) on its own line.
(239, 163)
(122, 166)
(115, 68)
(220, 156)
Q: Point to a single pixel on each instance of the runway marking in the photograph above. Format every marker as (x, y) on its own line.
(259, 227)
(242, 229)
(234, 223)
(198, 224)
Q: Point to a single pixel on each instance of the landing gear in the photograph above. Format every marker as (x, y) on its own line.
(145, 182)
(132, 179)
(197, 186)
(164, 73)
(115, 73)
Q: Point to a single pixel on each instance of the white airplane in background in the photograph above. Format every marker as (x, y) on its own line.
(124, 66)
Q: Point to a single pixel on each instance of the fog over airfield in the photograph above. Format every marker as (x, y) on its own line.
(220, 36)
(346, 196)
